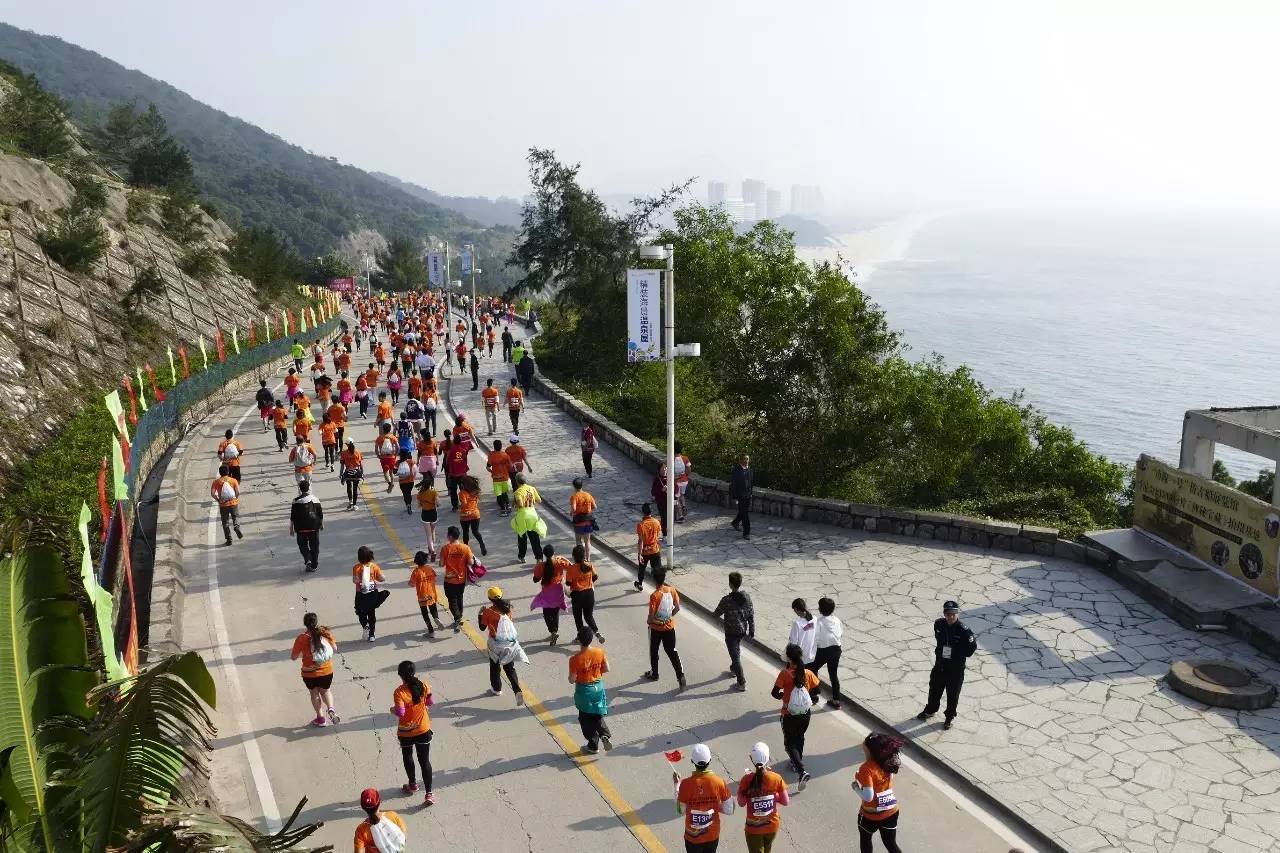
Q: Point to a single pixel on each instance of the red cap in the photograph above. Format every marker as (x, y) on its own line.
(370, 798)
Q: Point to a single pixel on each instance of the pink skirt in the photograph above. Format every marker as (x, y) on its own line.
(550, 598)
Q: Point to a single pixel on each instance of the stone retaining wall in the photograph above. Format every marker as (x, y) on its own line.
(936, 526)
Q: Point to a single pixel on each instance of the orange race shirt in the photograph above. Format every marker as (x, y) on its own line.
(650, 532)
(581, 503)
(456, 556)
(885, 803)
(375, 573)
(762, 805)
(468, 505)
(302, 648)
(338, 414)
(490, 395)
(580, 576)
(654, 600)
(516, 455)
(423, 580)
(215, 489)
(280, 417)
(500, 466)
(428, 498)
(364, 835)
(588, 665)
(415, 720)
(559, 565)
(786, 681)
(515, 398)
(329, 434)
(384, 410)
(701, 795)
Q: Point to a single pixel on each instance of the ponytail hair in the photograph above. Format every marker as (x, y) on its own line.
(800, 607)
(885, 750)
(757, 781)
(312, 623)
(416, 688)
(795, 657)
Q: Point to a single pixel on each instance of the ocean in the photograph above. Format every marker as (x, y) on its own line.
(1113, 326)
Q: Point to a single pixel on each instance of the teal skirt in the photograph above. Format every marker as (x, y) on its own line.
(590, 698)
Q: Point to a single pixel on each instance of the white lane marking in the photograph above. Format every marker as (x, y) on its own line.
(257, 768)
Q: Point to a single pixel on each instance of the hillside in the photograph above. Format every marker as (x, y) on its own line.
(488, 211)
(252, 177)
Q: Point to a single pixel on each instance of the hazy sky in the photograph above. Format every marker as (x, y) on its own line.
(1116, 103)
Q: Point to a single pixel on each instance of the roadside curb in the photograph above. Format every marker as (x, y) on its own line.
(934, 761)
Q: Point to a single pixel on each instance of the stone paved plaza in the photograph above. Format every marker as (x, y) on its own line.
(1064, 715)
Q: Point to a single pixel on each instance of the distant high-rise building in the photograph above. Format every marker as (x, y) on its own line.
(773, 204)
(717, 191)
(739, 210)
(753, 193)
(806, 200)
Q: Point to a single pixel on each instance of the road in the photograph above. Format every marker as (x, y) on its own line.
(506, 777)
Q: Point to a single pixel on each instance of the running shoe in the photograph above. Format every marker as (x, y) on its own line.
(429, 799)
(439, 624)
(650, 676)
(497, 692)
(804, 781)
(319, 722)
(683, 684)
(519, 699)
(333, 717)
(739, 686)
(592, 750)
(833, 704)
(946, 724)
(553, 639)
(370, 638)
(638, 585)
(599, 637)
(409, 788)
(607, 742)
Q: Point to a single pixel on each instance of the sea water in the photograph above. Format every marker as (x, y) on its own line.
(1112, 325)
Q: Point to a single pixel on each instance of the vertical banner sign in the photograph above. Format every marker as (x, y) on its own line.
(204, 353)
(267, 325)
(173, 370)
(220, 344)
(302, 320)
(114, 406)
(142, 394)
(100, 599)
(642, 310)
(466, 262)
(435, 268)
(235, 340)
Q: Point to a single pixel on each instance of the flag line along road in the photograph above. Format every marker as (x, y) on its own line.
(505, 777)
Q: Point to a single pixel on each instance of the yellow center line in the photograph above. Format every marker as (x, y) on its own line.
(585, 763)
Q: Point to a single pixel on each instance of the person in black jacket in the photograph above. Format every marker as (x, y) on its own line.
(741, 485)
(306, 520)
(739, 621)
(266, 402)
(475, 369)
(525, 370)
(954, 644)
(508, 341)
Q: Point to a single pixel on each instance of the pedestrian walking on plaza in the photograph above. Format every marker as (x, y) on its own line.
(316, 646)
(457, 559)
(550, 573)
(739, 622)
(527, 524)
(761, 792)
(589, 444)
(648, 544)
(582, 512)
(503, 644)
(410, 702)
(829, 632)
(798, 688)
(229, 452)
(366, 574)
(741, 485)
(515, 405)
(873, 784)
(953, 645)
(664, 604)
(683, 468)
(586, 673)
(507, 342)
(225, 489)
(702, 798)
(351, 472)
(517, 352)
(423, 581)
(474, 364)
(306, 520)
(581, 577)
(379, 832)
(804, 631)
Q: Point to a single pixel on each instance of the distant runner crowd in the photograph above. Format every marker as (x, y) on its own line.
(386, 366)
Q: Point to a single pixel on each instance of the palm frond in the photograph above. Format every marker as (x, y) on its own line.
(185, 829)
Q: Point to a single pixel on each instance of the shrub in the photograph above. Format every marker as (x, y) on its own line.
(32, 120)
(199, 261)
(147, 284)
(78, 241)
(91, 194)
(140, 205)
(179, 215)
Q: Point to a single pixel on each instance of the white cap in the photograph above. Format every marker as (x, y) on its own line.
(701, 754)
(760, 753)
(513, 439)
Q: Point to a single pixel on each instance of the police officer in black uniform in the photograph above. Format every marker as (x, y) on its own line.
(954, 644)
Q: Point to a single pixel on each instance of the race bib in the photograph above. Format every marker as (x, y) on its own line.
(762, 806)
(699, 821)
(886, 800)
(946, 653)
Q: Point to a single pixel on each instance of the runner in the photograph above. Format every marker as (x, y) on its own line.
(306, 520)
(515, 405)
(410, 702)
(457, 560)
(873, 784)
(362, 395)
(414, 384)
(586, 673)
(798, 688)
(683, 468)
(582, 511)
(387, 449)
(518, 455)
(739, 622)
(430, 406)
(499, 465)
(351, 464)
(405, 433)
(827, 638)
(407, 474)
(508, 340)
(415, 413)
(503, 645)
(526, 523)
(291, 383)
(280, 419)
(297, 352)
(316, 646)
(489, 339)
(581, 577)
(302, 424)
(385, 413)
(303, 459)
(329, 440)
(648, 545)
(427, 456)
(395, 381)
(664, 604)
(265, 400)
(366, 574)
(229, 452)
(550, 573)
(761, 792)
(380, 832)
(589, 445)
(469, 511)
(702, 798)
(804, 631)
(225, 489)
(423, 580)
(464, 434)
(490, 397)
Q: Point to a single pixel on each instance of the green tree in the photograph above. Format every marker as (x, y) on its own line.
(78, 241)
(400, 265)
(262, 256)
(33, 120)
(180, 214)
(331, 265)
(119, 134)
(1221, 474)
(1262, 486)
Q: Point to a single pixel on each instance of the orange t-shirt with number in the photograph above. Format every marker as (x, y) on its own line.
(490, 395)
(423, 580)
(650, 532)
(701, 795)
(415, 720)
(456, 556)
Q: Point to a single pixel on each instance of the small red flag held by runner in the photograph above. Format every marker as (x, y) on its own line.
(155, 383)
(220, 344)
(673, 758)
(133, 401)
(186, 368)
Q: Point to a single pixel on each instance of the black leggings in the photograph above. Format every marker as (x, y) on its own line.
(422, 745)
(471, 527)
(406, 492)
(586, 460)
(888, 829)
(510, 669)
(453, 592)
(429, 612)
(830, 657)
(353, 492)
(703, 847)
(654, 560)
(282, 437)
(330, 453)
(529, 539)
(551, 616)
(584, 605)
(793, 728)
(666, 639)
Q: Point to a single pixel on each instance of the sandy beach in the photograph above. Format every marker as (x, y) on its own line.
(863, 251)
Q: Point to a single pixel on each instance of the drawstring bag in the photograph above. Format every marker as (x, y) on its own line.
(799, 702)
(230, 452)
(388, 837)
(476, 572)
(324, 654)
(665, 609)
(227, 492)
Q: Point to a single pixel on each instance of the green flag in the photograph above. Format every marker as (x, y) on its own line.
(235, 340)
(116, 408)
(101, 601)
(204, 353)
(142, 397)
(117, 472)
(173, 368)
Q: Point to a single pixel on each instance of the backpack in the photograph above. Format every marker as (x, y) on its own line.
(303, 456)
(324, 654)
(799, 702)
(404, 469)
(305, 515)
(413, 409)
(231, 451)
(506, 630)
(227, 492)
(666, 606)
(431, 404)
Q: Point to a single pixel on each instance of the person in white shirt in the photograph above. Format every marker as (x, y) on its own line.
(829, 631)
(426, 364)
(804, 631)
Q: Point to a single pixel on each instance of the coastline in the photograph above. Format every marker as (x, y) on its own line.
(862, 252)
